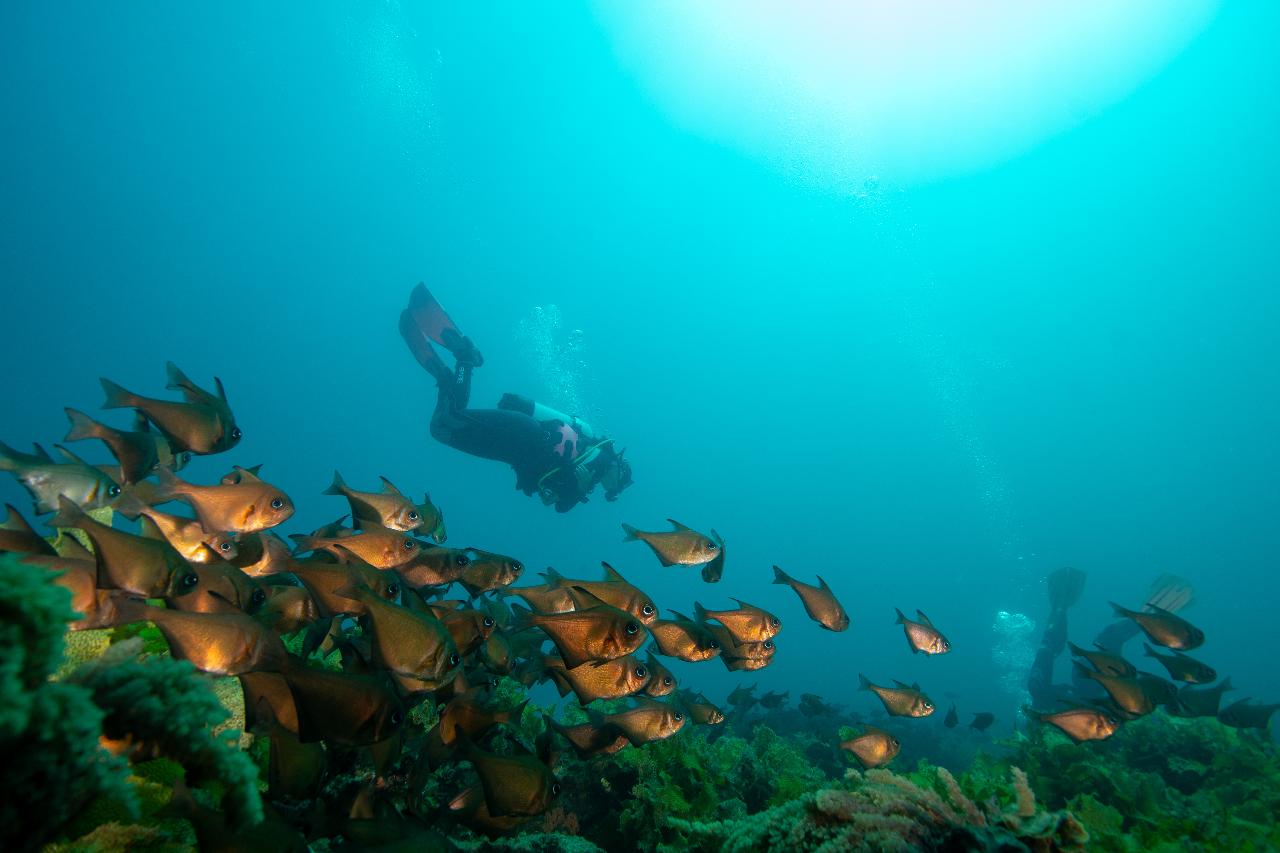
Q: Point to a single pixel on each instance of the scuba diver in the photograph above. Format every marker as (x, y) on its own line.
(558, 457)
(1168, 592)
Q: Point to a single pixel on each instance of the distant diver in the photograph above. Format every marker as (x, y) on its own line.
(558, 457)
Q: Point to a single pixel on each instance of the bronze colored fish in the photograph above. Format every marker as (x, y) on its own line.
(469, 628)
(683, 546)
(1104, 661)
(599, 632)
(648, 721)
(324, 580)
(550, 597)
(97, 607)
(496, 654)
(377, 546)
(701, 711)
(434, 566)
(1164, 628)
(1201, 703)
(188, 426)
(743, 656)
(519, 785)
(261, 554)
(904, 700)
(811, 705)
(217, 643)
(684, 638)
(1127, 693)
(471, 810)
(387, 508)
(488, 571)
(288, 609)
(1183, 668)
(186, 535)
(873, 748)
(1082, 724)
(746, 624)
(20, 537)
(661, 682)
(466, 715)
(46, 479)
(819, 601)
(414, 647)
(432, 520)
(611, 679)
(137, 452)
(344, 708)
(922, 636)
(223, 589)
(614, 590)
(145, 567)
(244, 507)
(588, 739)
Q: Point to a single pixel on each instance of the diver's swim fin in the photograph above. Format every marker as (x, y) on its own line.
(422, 350)
(1065, 587)
(1171, 593)
(428, 316)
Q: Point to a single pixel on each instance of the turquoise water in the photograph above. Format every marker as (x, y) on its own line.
(929, 378)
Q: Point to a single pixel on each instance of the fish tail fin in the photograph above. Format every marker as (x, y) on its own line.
(522, 618)
(1082, 670)
(1226, 685)
(337, 487)
(552, 575)
(1075, 650)
(82, 426)
(117, 396)
(699, 612)
(1122, 612)
(1147, 651)
(779, 576)
(902, 619)
(629, 533)
(130, 609)
(9, 457)
(129, 504)
(170, 484)
(864, 683)
(1030, 713)
(303, 542)
(69, 514)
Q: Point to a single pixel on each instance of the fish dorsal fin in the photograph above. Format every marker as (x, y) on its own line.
(649, 702)
(584, 598)
(902, 684)
(41, 453)
(13, 520)
(1158, 610)
(222, 392)
(680, 527)
(389, 488)
(925, 619)
(149, 529)
(743, 605)
(70, 456)
(679, 615)
(915, 685)
(611, 574)
(823, 584)
(250, 474)
(553, 577)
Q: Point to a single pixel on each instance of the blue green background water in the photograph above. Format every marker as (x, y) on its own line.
(929, 385)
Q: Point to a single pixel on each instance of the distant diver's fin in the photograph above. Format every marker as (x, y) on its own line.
(1065, 587)
(427, 315)
(420, 345)
(1170, 593)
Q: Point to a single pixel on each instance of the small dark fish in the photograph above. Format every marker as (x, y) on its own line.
(415, 648)
(216, 643)
(773, 700)
(746, 624)
(432, 520)
(377, 546)
(648, 721)
(1081, 724)
(1127, 693)
(714, 570)
(470, 628)
(434, 566)
(684, 638)
(743, 696)
(952, 719)
(288, 609)
(1104, 661)
(260, 554)
(324, 581)
(599, 679)
(18, 536)
(733, 651)
(1183, 668)
(614, 589)
(599, 632)
(922, 636)
(139, 453)
(202, 427)
(683, 546)
(244, 507)
(982, 721)
(905, 700)
(488, 571)
(518, 785)
(661, 682)
(1200, 703)
(1164, 628)
(1161, 690)
(1246, 714)
(471, 810)
(145, 567)
(819, 601)
(811, 705)
(46, 479)
(874, 747)
(388, 508)
(344, 708)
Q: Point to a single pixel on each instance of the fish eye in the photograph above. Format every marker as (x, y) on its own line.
(488, 621)
(714, 645)
(774, 622)
(454, 659)
(113, 491)
(667, 682)
(641, 672)
(928, 706)
(768, 644)
(396, 717)
(631, 628)
(259, 596)
(277, 503)
(463, 561)
(555, 789)
(711, 546)
(517, 566)
(413, 515)
(678, 716)
(410, 544)
(185, 456)
(190, 579)
(236, 433)
(224, 546)
(647, 610)
(393, 590)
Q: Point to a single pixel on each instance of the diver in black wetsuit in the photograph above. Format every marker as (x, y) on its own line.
(558, 457)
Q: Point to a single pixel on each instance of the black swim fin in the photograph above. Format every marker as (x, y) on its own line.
(1065, 586)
